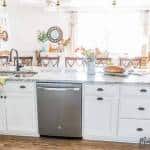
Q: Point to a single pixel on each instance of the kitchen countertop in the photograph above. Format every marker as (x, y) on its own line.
(82, 77)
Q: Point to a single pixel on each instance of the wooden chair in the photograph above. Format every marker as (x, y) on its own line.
(49, 61)
(25, 60)
(74, 61)
(131, 62)
(136, 62)
(144, 61)
(103, 61)
(4, 60)
(125, 62)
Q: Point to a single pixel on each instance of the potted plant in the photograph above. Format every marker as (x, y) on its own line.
(89, 55)
(42, 38)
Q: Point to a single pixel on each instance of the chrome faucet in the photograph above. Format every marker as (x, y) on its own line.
(17, 59)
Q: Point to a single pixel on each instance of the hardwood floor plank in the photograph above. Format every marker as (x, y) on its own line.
(27, 143)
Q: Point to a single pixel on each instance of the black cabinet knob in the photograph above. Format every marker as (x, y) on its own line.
(100, 99)
(22, 86)
(139, 129)
(141, 108)
(143, 90)
(100, 89)
(5, 97)
(1, 97)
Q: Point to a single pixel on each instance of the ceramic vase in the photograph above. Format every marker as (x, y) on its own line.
(90, 64)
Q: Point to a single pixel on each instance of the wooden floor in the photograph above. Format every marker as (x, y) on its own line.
(23, 143)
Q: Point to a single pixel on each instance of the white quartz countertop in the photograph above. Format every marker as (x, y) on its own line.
(82, 77)
(74, 76)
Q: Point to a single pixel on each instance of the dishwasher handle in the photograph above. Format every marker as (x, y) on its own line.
(59, 89)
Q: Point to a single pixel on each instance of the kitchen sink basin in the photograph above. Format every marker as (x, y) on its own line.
(25, 74)
(7, 74)
(17, 73)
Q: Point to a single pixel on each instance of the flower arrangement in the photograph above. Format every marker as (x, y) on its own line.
(87, 53)
(42, 36)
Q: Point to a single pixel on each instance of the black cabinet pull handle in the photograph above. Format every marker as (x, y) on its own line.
(100, 99)
(141, 108)
(1, 96)
(143, 90)
(5, 97)
(22, 86)
(139, 129)
(100, 89)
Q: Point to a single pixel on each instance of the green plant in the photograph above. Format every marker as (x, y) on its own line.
(42, 36)
(88, 53)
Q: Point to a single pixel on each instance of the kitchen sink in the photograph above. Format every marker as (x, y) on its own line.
(17, 73)
(7, 74)
(25, 74)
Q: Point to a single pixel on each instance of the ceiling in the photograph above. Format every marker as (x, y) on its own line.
(142, 4)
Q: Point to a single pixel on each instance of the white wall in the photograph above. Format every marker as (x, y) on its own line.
(24, 22)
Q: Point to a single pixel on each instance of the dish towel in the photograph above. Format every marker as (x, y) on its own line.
(3, 80)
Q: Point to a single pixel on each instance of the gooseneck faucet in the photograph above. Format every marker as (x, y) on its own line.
(17, 58)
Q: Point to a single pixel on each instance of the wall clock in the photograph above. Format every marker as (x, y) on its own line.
(55, 34)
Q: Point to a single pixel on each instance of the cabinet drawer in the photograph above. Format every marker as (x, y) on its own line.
(135, 91)
(18, 86)
(98, 99)
(135, 109)
(107, 90)
(134, 128)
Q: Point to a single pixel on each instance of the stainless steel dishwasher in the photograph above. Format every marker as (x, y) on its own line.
(60, 109)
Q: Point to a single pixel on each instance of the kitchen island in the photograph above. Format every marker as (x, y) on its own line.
(113, 108)
(81, 77)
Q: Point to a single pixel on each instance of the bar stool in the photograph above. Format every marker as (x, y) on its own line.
(49, 61)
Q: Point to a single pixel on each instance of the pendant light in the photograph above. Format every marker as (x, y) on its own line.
(53, 3)
(3, 3)
(114, 3)
(58, 3)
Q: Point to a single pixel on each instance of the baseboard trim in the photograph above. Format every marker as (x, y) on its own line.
(111, 139)
(19, 133)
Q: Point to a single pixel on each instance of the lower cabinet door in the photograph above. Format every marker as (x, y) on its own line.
(100, 116)
(20, 112)
(2, 117)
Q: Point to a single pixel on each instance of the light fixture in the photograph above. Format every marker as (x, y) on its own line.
(58, 3)
(114, 3)
(3, 3)
(53, 3)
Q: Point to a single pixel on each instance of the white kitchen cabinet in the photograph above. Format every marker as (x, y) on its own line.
(134, 112)
(100, 116)
(135, 92)
(107, 90)
(134, 129)
(134, 109)
(20, 112)
(2, 117)
(100, 111)
(19, 109)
